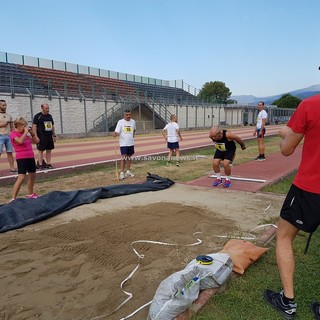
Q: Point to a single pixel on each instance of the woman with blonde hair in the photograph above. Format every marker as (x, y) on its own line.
(22, 138)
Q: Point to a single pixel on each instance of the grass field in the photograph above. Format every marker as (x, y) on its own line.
(243, 297)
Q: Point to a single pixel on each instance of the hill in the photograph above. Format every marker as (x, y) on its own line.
(299, 93)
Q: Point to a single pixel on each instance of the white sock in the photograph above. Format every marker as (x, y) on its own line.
(228, 178)
(218, 175)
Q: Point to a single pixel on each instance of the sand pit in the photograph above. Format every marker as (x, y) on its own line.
(71, 266)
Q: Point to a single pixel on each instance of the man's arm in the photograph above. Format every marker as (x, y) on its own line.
(179, 134)
(4, 123)
(11, 125)
(34, 130)
(54, 134)
(164, 133)
(116, 130)
(231, 136)
(290, 140)
(263, 124)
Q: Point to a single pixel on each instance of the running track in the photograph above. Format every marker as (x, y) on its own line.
(68, 155)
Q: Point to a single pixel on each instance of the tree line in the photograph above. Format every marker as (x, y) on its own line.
(218, 92)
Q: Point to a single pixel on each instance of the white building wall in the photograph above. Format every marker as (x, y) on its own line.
(70, 116)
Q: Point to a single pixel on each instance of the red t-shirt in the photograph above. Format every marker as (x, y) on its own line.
(306, 120)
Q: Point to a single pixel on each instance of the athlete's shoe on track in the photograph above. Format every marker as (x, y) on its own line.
(227, 184)
(217, 182)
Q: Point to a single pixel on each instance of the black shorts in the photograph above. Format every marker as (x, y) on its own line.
(301, 209)
(128, 151)
(173, 145)
(26, 165)
(228, 155)
(46, 142)
(262, 133)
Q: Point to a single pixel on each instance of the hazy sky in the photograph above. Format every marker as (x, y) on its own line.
(259, 47)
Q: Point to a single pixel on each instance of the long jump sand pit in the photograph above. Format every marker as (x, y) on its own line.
(71, 266)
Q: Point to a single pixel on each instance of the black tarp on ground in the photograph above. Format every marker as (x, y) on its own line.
(22, 212)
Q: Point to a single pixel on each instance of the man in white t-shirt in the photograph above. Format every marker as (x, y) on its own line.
(126, 129)
(171, 132)
(260, 130)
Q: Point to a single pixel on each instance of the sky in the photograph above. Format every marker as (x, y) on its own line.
(256, 47)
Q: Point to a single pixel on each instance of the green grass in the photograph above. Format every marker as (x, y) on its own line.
(281, 186)
(243, 297)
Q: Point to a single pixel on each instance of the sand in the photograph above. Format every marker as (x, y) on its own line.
(71, 266)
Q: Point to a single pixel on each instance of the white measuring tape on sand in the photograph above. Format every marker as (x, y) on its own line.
(239, 178)
(140, 256)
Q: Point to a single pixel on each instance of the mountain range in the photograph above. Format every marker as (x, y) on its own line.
(300, 93)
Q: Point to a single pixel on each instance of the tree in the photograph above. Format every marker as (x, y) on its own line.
(216, 92)
(287, 101)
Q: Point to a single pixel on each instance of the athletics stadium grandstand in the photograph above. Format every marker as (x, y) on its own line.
(89, 101)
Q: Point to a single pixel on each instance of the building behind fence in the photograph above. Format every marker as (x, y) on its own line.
(89, 101)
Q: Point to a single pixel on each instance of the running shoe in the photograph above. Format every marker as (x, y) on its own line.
(315, 307)
(33, 196)
(121, 177)
(276, 300)
(129, 174)
(217, 182)
(227, 184)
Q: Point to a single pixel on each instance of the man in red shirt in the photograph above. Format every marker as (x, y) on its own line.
(300, 210)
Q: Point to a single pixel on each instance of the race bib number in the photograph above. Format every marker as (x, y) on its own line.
(47, 126)
(128, 130)
(221, 146)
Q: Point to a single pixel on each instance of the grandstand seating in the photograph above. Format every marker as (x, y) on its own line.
(68, 84)
(15, 80)
(163, 93)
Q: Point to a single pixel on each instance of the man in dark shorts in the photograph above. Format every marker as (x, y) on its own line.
(43, 128)
(225, 151)
(126, 129)
(171, 132)
(260, 130)
(300, 210)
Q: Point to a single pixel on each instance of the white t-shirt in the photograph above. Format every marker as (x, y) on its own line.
(172, 134)
(126, 130)
(261, 115)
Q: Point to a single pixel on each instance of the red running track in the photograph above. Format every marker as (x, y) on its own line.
(68, 154)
